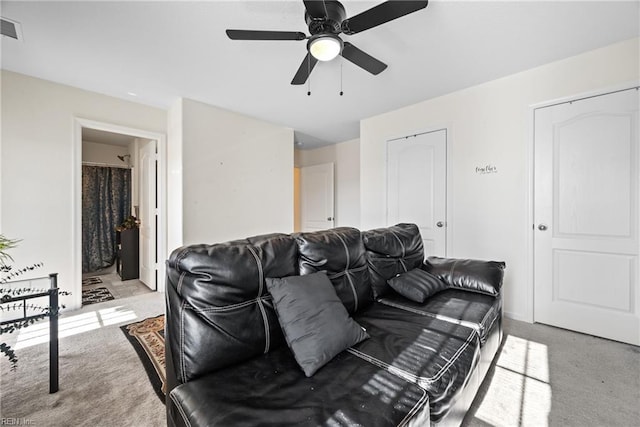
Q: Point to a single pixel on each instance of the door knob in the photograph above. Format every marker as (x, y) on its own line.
(542, 227)
(440, 224)
(330, 218)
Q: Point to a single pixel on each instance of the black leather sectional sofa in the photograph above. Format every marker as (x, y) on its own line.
(230, 361)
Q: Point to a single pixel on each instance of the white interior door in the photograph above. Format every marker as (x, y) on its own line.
(316, 197)
(148, 212)
(417, 186)
(586, 216)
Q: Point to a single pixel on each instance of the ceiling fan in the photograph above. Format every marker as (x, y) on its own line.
(326, 20)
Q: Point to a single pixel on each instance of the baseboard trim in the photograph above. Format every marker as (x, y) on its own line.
(516, 316)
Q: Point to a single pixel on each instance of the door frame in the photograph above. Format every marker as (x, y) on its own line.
(529, 315)
(448, 191)
(76, 199)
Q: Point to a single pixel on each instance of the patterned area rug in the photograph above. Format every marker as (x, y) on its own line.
(91, 281)
(147, 337)
(92, 296)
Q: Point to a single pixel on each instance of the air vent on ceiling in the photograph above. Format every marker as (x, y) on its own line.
(10, 28)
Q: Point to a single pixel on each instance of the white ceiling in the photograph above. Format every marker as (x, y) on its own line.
(168, 49)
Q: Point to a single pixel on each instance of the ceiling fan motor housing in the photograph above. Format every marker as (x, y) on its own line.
(331, 22)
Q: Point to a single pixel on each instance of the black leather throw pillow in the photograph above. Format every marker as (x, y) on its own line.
(475, 275)
(315, 323)
(417, 285)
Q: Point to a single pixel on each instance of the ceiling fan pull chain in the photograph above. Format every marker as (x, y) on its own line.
(308, 75)
(341, 62)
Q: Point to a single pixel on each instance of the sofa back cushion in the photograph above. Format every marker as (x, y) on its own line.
(340, 253)
(392, 251)
(219, 311)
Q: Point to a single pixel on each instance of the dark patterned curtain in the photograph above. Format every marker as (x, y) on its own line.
(106, 203)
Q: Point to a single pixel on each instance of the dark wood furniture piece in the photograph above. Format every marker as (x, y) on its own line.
(128, 253)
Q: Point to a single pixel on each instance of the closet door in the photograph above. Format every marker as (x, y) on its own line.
(316, 197)
(417, 187)
(586, 216)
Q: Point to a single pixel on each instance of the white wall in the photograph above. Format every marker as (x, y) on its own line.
(38, 157)
(346, 157)
(297, 227)
(236, 174)
(95, 152)
(174, 176)
(489, 124)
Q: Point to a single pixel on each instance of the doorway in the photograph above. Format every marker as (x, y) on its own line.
(317, 197)
(586, 215)
(417, 186)
(141, 236)
(111, 228)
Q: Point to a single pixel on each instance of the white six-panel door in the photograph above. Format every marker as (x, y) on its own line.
(586, 216)
(148, 213)
(416, 186)
(316, 197)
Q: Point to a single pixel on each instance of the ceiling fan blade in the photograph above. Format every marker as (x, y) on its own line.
(315, 8)
(265, 35)
(377, 15)
(362, 59)
(305, 69)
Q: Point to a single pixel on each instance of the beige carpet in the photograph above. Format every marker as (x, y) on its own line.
(102, 381)
(544, 376)
(551, 376)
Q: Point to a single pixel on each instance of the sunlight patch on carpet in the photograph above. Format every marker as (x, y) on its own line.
(520, 393)
(73, 325)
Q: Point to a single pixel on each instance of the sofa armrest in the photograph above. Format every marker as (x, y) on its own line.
(171, 380)
(480, 276)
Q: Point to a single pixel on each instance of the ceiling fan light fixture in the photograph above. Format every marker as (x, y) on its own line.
(325, 47)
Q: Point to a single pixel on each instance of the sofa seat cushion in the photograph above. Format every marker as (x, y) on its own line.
(270, 390)
(471, 309)
(438, 355)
